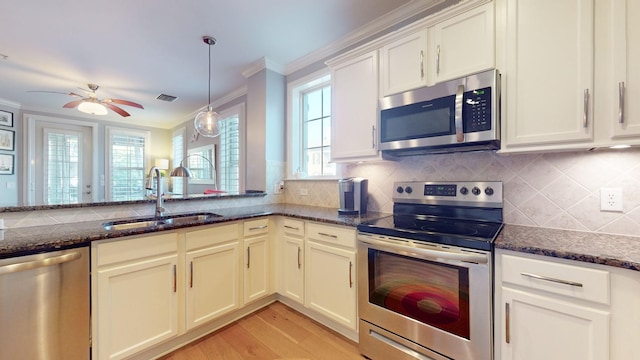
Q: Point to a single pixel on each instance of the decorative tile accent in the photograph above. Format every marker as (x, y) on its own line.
(554, 190)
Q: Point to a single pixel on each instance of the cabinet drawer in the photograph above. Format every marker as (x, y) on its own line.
(129, 249)
(332, 234)
(293, 227)
(558, 278)
(211, 236)
(255, 227)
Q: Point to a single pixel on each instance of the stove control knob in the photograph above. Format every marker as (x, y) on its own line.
(464, 190)
(408, 190)
(488, 190)
(399, 190)
(476, 191)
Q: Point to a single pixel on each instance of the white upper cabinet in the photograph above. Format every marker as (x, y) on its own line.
(462, 45)
(548, 72)
(354, 101)
(625, 87)
(402, 64)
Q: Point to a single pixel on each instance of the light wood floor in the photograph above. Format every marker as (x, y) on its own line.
(274, 332)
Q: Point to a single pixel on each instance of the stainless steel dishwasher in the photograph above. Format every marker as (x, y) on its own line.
(44, 306)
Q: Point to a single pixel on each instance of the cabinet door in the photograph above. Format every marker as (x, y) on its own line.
(549, 72)
(537, 327)
(626, 52)
(256, 267)
(331, 282)
(213, 282)
(293, 269)
(354, 103)
(137, 306)
(402, 64)
(462, 45)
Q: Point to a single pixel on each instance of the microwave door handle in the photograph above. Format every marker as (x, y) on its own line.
(458, 114)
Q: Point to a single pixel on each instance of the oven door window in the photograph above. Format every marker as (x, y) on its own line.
(432, 293)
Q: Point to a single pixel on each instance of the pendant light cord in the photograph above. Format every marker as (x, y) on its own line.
(209, 93)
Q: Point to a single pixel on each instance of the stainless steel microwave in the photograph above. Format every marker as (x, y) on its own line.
(457, 115)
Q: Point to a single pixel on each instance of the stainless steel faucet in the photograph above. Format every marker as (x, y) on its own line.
(159, 201)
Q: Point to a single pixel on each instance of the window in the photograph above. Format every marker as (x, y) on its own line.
(230, 152)
(126, 164)
(63, 165)
(178, 142)
(310, 127)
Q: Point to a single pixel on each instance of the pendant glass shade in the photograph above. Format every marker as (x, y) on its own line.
(93, 108)
(206, 123)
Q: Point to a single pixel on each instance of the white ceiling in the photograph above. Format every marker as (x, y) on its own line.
(136, 50)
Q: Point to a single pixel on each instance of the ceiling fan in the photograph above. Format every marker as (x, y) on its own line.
(91, 104)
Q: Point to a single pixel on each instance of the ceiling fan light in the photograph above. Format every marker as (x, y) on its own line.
(206, 123)
(93, 108)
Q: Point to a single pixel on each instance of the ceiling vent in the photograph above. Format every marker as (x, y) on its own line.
(167, 98)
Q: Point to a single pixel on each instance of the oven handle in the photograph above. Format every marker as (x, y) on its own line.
(431, 254)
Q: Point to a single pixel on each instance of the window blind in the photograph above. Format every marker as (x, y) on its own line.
(127, 166)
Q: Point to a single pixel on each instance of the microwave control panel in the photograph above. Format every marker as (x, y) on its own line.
(477, 110)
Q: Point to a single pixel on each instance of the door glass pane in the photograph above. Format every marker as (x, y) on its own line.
(63, 168)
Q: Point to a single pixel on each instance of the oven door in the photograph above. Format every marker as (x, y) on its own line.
(427, 301)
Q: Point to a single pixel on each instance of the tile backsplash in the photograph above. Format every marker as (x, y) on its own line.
(554, 190)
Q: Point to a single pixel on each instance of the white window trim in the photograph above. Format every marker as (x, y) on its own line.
(110, 130)
(294, 128)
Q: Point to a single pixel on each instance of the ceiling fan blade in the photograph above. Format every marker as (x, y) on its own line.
(72, 104)
(116, 109)
(124, 102)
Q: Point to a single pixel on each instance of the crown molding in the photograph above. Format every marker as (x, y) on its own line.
(13, 104)
(395, 17)
(261, 64)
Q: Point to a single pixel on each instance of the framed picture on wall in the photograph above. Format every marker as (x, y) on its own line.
(6, 118)
(6, 164)
(7, 140)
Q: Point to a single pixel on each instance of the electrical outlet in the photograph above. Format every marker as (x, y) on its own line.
(611, 199)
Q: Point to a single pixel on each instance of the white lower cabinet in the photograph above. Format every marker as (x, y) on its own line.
(256, 259)
(213, 283)
(330, 273)
(549, 308)
(292, 264)
(135, 294)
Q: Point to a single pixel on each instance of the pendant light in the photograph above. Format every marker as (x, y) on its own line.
(206, 122)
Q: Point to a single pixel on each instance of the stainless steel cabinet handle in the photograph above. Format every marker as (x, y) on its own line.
(507, 322)
(175, 278)
(248, 257)
(30, 265)
(329, 235)
(438, 60)
(621, 102)
(191, 274)
(421, 64)
(458, 114)
(299, 264)
(350, 277)
(292, 228)
(546, 278)
(585, 115)
(258, 227)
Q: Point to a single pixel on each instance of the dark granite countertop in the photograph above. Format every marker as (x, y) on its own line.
(612, 250)
(37, 239)
(606, 249)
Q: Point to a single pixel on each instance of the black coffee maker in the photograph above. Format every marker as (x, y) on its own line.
(354, 196)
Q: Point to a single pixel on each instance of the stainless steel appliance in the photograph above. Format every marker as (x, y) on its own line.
(44, 306)
(354, 195)
(425, 273)
(457, 115)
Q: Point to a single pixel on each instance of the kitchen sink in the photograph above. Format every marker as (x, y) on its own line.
(138, 223)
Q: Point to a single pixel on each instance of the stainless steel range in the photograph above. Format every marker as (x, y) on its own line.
(425, 273)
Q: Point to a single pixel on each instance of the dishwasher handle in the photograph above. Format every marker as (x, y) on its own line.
(30, 265)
